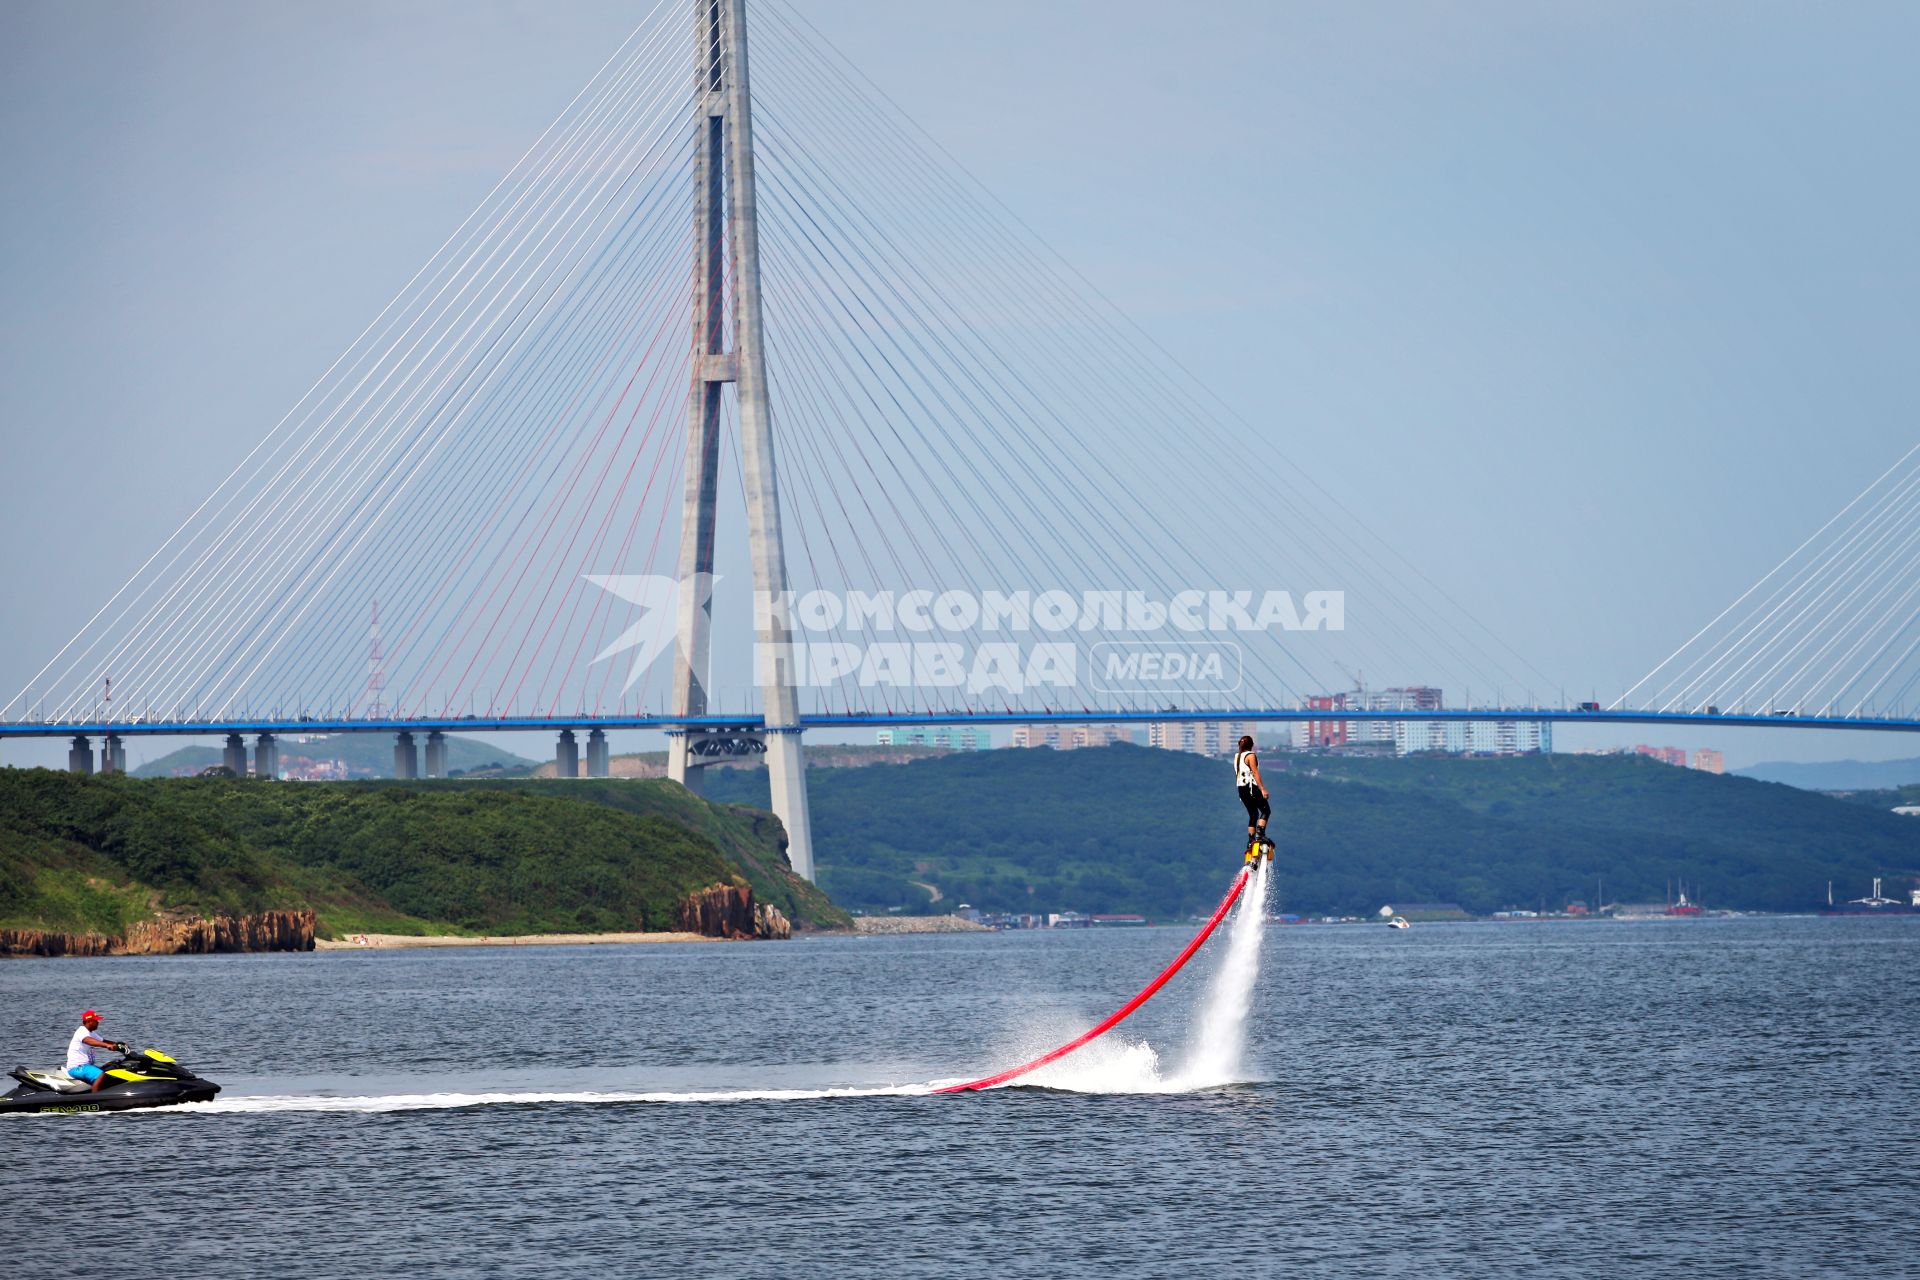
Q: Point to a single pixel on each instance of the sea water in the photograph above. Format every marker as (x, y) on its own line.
(1709, 1097)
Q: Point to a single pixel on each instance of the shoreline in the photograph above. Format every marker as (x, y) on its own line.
(407, 941)
(895, 926)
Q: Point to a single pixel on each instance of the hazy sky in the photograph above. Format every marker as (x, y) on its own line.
(1597, 309)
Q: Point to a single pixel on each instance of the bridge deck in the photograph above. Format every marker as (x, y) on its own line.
(668, 723)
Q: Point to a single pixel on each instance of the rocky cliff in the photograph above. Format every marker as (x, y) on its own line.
(263, 931)
(173, 936)
(39, 942)
(729, 911)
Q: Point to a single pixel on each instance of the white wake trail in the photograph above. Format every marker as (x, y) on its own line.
(1219, 1046)
(451, 1101)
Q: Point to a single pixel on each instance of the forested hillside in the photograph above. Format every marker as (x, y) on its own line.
(1132, 829)
(95, 853)
(1887, 798)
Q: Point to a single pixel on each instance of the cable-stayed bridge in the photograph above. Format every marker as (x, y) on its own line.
(741, 344)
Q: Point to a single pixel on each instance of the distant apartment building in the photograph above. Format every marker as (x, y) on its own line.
(1706, 760)
(302, 769)
(1472, 737)
(1410, 698)
(1322, 733)
(950, 736)
(1201, 737)
(1068, 737)
(1042, 735)
(1675, 756)
(1333, 733)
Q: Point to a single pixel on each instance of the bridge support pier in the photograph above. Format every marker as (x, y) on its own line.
(689, 751)
(235, 755)
(406, 756)
(726, 223)
(113, 755)
(597, 765)
(436, 754)
(566, 756)
(80, 755)
(787, 779)
(266, 756)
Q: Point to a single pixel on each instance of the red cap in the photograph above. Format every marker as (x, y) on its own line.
(89, 1014)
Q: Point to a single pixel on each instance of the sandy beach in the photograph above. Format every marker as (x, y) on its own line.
(400, 941)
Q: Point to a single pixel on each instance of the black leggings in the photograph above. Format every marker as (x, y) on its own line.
(1258, 810)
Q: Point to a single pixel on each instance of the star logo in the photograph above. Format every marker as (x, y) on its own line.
(656, 598)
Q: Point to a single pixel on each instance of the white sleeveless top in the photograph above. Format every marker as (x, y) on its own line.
(1243, 768)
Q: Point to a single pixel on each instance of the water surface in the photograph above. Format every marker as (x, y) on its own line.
(1701, 1098)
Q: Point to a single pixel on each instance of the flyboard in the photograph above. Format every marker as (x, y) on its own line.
(1124, 1011)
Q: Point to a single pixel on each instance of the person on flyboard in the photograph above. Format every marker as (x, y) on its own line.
(1253, 794)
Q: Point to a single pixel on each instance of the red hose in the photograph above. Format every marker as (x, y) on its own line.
(1120, 1015)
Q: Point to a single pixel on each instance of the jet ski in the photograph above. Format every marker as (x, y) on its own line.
(138, 1078)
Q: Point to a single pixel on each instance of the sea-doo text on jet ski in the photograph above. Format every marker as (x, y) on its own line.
(139, 1078)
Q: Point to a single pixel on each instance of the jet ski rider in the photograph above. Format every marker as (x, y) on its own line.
(81, 1064)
